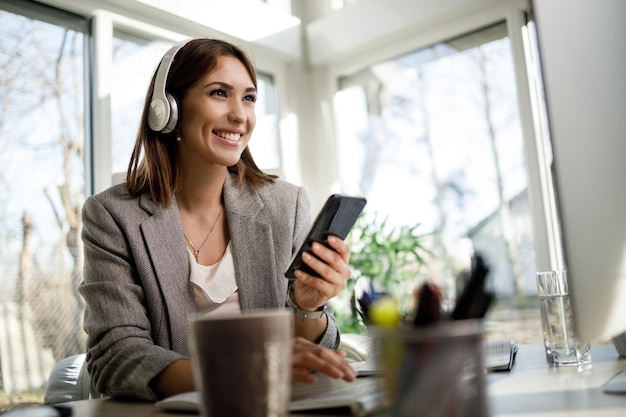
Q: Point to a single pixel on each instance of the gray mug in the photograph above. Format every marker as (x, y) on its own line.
(242, 363)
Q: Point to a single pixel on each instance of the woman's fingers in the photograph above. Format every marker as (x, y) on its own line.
(309, 357)
(302, 375)
(305, 373)
(340, 247)
(331, 264)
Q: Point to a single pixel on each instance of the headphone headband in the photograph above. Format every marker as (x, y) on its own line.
(163, 111)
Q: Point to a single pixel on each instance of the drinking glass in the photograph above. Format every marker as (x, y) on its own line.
(559, 333)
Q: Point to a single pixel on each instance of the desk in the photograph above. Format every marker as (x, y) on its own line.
(531, 389)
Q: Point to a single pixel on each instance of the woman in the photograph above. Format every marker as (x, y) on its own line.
(198, 227)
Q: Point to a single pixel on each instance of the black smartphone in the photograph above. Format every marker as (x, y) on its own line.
(336, 217)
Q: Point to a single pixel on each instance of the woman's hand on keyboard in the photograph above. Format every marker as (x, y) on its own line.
(308, 358)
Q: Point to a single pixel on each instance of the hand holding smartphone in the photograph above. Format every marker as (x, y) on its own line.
(337, 217)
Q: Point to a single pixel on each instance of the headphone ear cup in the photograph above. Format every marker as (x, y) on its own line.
(158, 114)
(172, 121)
(163, 112)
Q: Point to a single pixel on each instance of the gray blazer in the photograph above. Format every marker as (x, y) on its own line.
(136, 276)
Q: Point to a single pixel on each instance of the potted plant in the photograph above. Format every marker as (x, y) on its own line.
(383, 259)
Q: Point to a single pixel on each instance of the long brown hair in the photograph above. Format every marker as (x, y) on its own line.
(159, 171)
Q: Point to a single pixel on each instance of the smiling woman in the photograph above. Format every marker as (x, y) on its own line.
(199, 227)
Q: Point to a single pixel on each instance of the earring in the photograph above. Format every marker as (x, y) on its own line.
(178, 137)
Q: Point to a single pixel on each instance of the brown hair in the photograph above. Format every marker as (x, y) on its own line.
(159, 172)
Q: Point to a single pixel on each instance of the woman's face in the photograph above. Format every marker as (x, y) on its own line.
(217, 116)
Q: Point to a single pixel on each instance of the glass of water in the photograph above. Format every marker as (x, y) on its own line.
(559, 334)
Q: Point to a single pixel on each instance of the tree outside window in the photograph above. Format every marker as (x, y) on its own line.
(42, 137)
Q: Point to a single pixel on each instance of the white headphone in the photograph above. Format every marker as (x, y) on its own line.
(163, 112)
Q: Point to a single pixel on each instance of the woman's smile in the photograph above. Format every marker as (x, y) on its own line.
(228, 138)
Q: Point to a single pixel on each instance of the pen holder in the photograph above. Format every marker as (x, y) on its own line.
(436, 370)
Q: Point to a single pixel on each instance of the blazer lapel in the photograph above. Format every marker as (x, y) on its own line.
(163, 237)
(253, 248)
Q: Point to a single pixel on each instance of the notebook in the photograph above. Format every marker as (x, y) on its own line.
(361, 397)
(500, 354)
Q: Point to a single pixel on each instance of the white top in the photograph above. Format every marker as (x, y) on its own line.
(214, 286)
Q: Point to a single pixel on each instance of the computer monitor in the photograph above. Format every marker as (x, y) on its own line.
(582, 49)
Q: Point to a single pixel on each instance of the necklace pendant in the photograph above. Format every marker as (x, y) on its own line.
(195, 251)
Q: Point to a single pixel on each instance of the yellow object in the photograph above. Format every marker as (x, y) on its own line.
(384, 313)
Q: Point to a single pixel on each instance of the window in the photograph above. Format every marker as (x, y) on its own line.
(134, 61)
(42, 181)
(265, 143)
(432, 138)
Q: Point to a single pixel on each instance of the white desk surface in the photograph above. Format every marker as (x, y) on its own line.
(534, 389)
(531, 389)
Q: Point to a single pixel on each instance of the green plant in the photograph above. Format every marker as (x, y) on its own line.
(383, 259)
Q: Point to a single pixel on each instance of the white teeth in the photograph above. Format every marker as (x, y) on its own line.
(229, 136)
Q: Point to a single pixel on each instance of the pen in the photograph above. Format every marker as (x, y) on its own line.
(428, 306)
(474, 300)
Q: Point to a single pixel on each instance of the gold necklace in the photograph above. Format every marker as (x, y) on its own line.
(196, 252)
